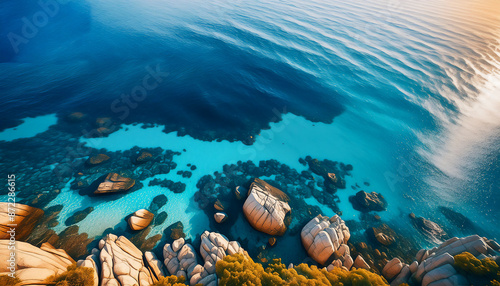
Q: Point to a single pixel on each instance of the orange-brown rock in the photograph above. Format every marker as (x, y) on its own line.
(218, 205)
(220, 217)
(23, 219)
(76, 116)
(97, 159)
(140, 219)
(332, 177)
(104, 122)
(272, 241)
(238, 192)
(114, 183)
(143, 157)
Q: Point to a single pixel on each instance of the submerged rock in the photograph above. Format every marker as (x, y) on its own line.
(382, 234)
(366, 202)
(175, 231)
(323, 236)
(429, 228)
(114, 183)
(176, 187)
(158, 202)
(143, 158)
(97, 159)
(140, 219)
(266, 208)
(79, 216)
(459, 220)
(73, 242)
(75, 117)
(24, 217)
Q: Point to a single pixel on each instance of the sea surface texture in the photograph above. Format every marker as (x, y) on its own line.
(407, 92)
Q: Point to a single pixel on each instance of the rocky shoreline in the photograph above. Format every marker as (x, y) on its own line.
(118, 261)
(259, 207)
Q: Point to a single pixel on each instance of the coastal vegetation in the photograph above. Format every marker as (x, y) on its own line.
(482, 269)
(73, 276)
(171, 280)
(240, 269)
(8, 281)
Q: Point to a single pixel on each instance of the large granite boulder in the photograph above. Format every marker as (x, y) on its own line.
(140, 219)
(122, 263)
(366, 202)
(266, 208)
(323, 236)
(392, 268)
(24, 217)
(33, 264)
(114, 183)
(78, 216)
(360, 263)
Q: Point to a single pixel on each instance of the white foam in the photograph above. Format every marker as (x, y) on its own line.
(29, 128)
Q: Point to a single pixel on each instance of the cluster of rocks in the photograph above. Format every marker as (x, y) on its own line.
(325, 240)
(321, 181)
(436, 267)
(96, 176)
(181, 258)
(176, 187)
(118, 261)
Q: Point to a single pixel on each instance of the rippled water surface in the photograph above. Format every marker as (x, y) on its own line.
(406, 91)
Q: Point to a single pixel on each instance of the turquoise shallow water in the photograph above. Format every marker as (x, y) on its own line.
(406, 92)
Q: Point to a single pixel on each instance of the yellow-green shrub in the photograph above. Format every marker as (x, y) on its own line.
(170, 281)
(486, 267)
(6, 280)
(240, 269)
(74, 276)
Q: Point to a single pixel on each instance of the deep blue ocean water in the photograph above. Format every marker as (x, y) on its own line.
(406, 91)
